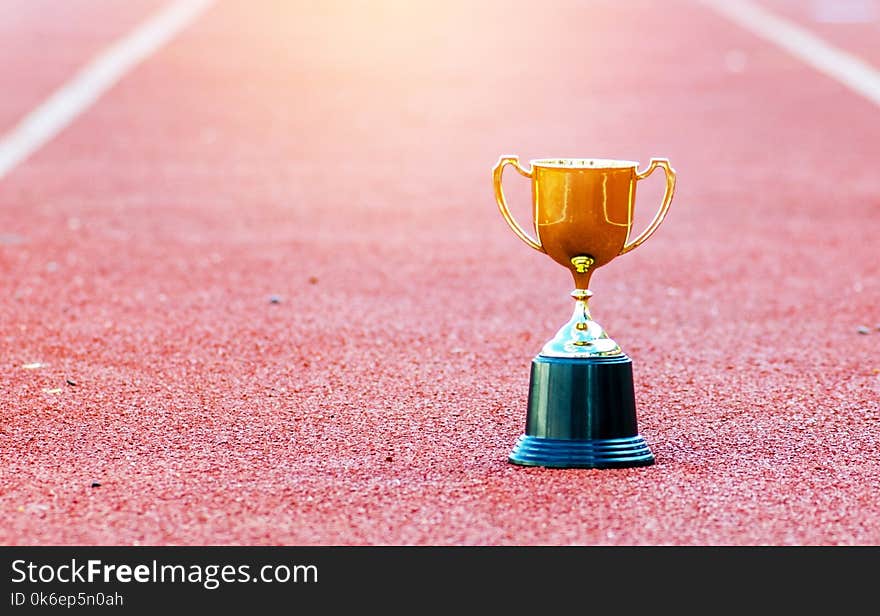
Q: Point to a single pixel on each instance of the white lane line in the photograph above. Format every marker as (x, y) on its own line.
(94, 79)
(846, 68)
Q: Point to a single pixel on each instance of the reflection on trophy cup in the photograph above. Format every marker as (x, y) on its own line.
(581, 409)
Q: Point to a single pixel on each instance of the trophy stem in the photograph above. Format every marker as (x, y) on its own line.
(581, 308)
(581, 337)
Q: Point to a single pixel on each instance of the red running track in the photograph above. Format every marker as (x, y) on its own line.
(339, 158)
(44, 42)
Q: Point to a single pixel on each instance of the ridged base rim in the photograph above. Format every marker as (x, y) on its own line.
(597, 453)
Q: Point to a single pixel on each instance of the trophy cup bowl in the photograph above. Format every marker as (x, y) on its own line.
(581, 407)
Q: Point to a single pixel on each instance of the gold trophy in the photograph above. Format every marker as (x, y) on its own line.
(581, 407)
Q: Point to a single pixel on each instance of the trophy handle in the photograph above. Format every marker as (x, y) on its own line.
(664, 207)
(502, 204)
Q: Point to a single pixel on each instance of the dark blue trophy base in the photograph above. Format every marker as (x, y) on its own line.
(581, 414)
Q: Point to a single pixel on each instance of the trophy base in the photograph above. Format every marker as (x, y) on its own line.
(581, 414)
(597, 453)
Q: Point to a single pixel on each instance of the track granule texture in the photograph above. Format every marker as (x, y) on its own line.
(337, 157)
